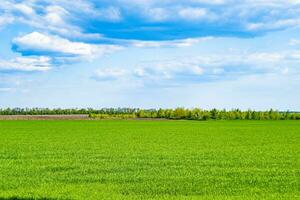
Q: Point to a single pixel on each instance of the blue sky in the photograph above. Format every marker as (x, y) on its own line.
(150, 53)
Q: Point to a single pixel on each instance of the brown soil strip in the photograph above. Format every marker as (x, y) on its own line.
(71, 117)
(44, 117)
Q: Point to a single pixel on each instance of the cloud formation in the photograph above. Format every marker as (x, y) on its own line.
(26, 64)
(152, 19)
(109, 74)
(294, 42)
(68, 32)
(5, 89)
(208, 68)
(43, 44)
(57, 50)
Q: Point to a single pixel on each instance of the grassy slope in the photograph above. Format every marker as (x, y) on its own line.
(150, 159)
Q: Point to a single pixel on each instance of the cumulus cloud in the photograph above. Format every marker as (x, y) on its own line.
(41, 52)
(43, 44)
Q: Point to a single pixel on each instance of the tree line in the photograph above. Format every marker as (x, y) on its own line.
(199, 114)
(178, 113)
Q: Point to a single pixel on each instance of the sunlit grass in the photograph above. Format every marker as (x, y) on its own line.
(149, 159)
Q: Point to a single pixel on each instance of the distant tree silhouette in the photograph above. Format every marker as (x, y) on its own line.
(176, 114)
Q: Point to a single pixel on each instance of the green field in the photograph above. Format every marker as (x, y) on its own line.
(149, 160)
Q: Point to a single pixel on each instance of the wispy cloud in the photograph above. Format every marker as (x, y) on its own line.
(208, 68)
(110, 74)
(6, 89)
(5, 19)
(171, 43)
(294, 42)
(26, 64)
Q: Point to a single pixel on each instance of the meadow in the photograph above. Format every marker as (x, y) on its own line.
(138, 159)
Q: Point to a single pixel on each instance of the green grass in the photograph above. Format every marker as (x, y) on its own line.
(149, 160)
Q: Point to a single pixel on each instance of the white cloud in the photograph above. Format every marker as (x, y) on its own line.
(285, 70)
(175, 13)
(294, 55)
(5, 19)
(274, 25)
(157, 14)
(155, 71)
(65, 18)
(172, 43)
(230, 65)
(110, 14)
(25, 9)
(26, 64)
(211, 2)
(264, 57)
(55, 15)
(210, 67)
(254, 15)
(194, 13)
(54, 18)
(294, 42)
(108, 74)
(44, 44)
(169, 70)
(6, 89)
